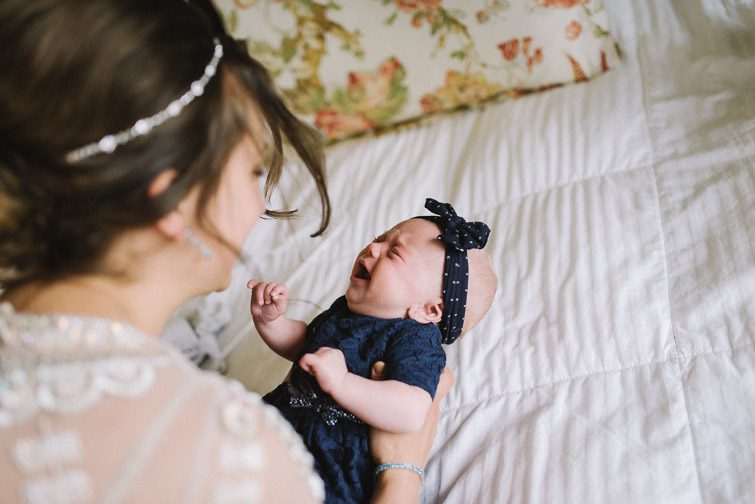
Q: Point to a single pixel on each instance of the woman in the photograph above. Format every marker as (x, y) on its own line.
(131, 133)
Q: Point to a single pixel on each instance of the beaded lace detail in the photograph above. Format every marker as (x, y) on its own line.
(55, 368)
(66, 364)
(239, 419)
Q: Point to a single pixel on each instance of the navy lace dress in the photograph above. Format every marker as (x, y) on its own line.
(338, 441)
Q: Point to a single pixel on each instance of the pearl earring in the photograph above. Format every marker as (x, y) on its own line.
(197, 243)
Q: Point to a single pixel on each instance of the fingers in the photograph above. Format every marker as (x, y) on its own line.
(267, 292)
(445, 383)
(447, 380)
(327, 365)
(430, 427)
(306, 363)
(311, 361)
(323, 355)
(444, 386)
(378, 371)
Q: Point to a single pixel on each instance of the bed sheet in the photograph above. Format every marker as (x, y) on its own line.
(617, 363)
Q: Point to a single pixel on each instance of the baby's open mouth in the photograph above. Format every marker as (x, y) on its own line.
(362, 273)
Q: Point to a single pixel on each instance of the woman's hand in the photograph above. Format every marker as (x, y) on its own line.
(399, 485)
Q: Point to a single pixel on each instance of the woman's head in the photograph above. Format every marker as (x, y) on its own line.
(77, 70)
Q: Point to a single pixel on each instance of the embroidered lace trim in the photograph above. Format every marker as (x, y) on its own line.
(66, 364)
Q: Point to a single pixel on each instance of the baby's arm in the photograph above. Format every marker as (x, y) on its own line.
(268, 306)
(389, 405)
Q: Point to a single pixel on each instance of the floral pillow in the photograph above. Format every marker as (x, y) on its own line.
(356, 66)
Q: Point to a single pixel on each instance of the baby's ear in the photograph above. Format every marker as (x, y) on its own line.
(429, 312)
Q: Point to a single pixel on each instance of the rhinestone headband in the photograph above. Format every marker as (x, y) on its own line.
(108, 143)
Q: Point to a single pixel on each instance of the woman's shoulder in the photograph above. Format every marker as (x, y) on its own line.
(249, 451)
(136, 421)
(252, 438)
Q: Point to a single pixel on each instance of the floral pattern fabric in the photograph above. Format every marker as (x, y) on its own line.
(356, 66)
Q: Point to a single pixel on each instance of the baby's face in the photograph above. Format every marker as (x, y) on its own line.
(400, 268)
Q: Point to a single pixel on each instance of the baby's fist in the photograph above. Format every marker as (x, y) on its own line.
(268, 300)
(327, 365)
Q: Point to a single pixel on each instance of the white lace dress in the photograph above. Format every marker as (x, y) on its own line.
(93, 410)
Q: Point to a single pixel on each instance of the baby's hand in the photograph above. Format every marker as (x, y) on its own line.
(327, 365)
(268, 301)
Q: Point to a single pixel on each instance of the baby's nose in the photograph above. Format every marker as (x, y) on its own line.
(373, 249)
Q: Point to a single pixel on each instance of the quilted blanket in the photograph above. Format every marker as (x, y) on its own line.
(617, 363)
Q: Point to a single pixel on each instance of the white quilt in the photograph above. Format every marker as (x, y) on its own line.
(617, 364)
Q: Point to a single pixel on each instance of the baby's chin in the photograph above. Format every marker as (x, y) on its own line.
(355, 306)
(352, 302)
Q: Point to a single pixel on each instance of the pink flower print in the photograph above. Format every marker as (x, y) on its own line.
(535, 59)
(573, 30)
(422, 10)
(561, 4)
(335, 124)
(412, 6)
(374, 86)
(430, 104)
(459, 89)
(603, 61)
(509, 49)
(526, 41)
(513, 48)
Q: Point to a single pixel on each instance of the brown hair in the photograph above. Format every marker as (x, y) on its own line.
(76, 70)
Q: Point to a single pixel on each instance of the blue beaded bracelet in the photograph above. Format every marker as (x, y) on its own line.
(399, 465)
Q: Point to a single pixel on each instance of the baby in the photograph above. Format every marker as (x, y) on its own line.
(406, 296)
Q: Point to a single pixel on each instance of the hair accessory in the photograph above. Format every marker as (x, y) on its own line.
(400, 465)
(197, 243)
(108, 143)
(458, 236)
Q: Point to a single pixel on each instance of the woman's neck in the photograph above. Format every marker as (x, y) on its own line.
(144, 307)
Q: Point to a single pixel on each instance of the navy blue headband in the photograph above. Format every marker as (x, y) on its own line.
(459, 236)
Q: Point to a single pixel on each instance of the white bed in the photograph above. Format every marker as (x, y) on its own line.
(617, 363)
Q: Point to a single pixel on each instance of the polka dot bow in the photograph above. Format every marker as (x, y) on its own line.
(459, 236)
